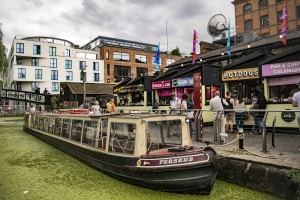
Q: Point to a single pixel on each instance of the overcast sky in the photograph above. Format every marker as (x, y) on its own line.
(136, 20)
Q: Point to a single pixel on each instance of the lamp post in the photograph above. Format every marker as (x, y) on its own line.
(84, 80)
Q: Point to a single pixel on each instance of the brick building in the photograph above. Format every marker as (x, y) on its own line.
(263, 16)
(128, 59)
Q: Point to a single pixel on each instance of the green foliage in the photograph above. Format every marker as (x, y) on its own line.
(3, 59)
(54, 102)
(176, 52)
(295, 178)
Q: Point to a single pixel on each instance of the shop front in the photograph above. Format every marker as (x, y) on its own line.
(183, 85)
(163, 91)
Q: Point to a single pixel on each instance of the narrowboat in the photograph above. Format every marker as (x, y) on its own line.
(147, 150)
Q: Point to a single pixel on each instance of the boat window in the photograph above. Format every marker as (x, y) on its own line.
(76, 130)
(57, 126)
(34, 120)
(89, 133)
(163, 134)
(46, 124)
(102, 133)
(66, 129)
(41, 124)
(122, 138)
(51, 125)
(26, 120)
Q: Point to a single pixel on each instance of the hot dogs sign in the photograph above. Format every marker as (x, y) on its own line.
(240, 74)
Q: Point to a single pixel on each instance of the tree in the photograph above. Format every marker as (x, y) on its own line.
(3, 60)
(176, 52)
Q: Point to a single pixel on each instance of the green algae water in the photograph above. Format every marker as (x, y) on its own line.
(31, 169)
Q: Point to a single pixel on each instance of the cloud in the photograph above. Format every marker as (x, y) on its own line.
(137, 20)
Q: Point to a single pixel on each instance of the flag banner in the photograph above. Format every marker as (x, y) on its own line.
(194, 56)
(228, 40)
(283, 25)
(157, 58)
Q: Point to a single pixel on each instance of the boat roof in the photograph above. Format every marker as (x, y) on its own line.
(140, 116)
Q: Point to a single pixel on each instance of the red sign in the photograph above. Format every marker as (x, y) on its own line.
(161, 84)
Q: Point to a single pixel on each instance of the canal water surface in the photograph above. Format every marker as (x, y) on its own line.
(31, 169)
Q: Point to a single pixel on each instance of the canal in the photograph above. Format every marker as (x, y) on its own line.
(31, 169)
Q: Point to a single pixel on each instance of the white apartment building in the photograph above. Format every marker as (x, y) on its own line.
(45, 62)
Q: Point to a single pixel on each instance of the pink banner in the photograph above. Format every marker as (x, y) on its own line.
(279, 69)
(284, 80)
(161, 84)
(165, 93)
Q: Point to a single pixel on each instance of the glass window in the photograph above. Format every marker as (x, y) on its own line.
(298, 12)
(34, 62)
(248, 26)
(20, 48)
(66, 128)
(96, 77)
(82, 65)
(54, 75)
(77, 128)
(57, 126)
(69, 75)
(34, 85)
(52, 51)
(37, 49)
(95, 66)
(38, 74)
(140, 59)
(55, 87)
(108, 69)
(263, 3)
(80, 55)
(107, 55)
(67, 53)
(19, 61)
(121, 56)
(68, 64)
(247, 8)
(141, 70)
(170, 61)
(89, 133)
(153, 61)
(21, 73)
(122, 138)
(264, 21)
(122, 71)
(53, 63)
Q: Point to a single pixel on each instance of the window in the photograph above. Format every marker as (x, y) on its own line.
(247, 8)
(19, 61)
(96, 77)
(153, 61)
(68, 64)
(55, 87)
(263, 3)
(69, 75)
(54, 75)
(107, 55)
(121, 56)
(298, 12)
(141, 70)
(82, 65)
(140, 59)
(21, 73)
(53, 63)
(37, 49)
(52, 51)
(34, 85)
(20, 48)
(38, 74)
(34, 62)
(108, 69)
(80, 55)
(95, 66)
(122, 71)
(248, 26)
(170, 61)
(264, 21)
(67, 53)
(279, 1)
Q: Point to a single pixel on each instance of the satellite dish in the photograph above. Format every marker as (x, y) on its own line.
(217, 25)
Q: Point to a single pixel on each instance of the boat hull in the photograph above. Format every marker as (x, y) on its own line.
(193, 178)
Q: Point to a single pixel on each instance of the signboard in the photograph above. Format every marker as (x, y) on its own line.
(288, 116)
(183, 82)
(279, 69)
(161, 84)
(129, 88)
(240, 74)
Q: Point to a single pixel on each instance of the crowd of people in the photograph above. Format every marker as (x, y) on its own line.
(108, 106)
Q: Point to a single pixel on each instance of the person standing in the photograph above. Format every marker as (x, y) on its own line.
(240, 107)
(155, 107)
(96, 108)
(296, 103)
(85, 105)
(175, 104)
(189, 114)
(230, 113)
(31, 109)
(216, 105)
(111, 106)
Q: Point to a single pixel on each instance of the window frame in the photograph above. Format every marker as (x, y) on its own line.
(247, 26)
(95, 66)
(68, 64)
(53, 63)
(36, 49)
(263, 4)
(21, 73)
(69, 75)
(54, 74)
(123, 56)
(67, 53)
(264, 21)
(139, 58)
(38, 74)
(55, 87)
(82, 65)
(52, 51)
(35, 62)
(141, 70)
(247, 8)
(96, 77)
(126, 71)
(20, 48)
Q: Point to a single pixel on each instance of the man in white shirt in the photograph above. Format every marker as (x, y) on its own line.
(216, 104)
(296, 103)
(175, 104)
